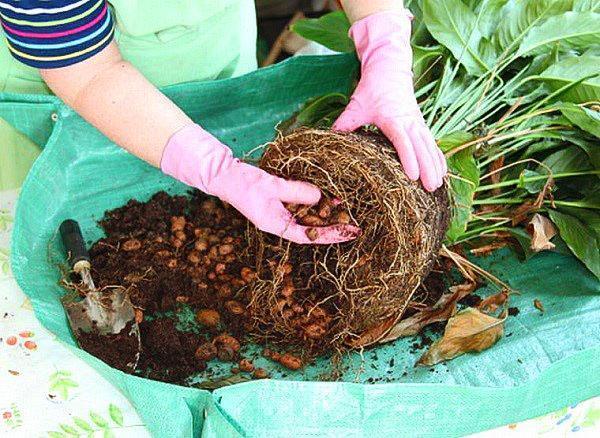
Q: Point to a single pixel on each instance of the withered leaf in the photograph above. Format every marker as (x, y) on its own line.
(538, 305)
(491, 303)
(373, 334)
(541, 230)
(469, 330)
(441, 311)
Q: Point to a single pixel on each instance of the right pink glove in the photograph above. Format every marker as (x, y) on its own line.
(195, 157)
(385, 96)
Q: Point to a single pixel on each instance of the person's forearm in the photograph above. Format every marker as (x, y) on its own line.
(114, 97)
(359, 9)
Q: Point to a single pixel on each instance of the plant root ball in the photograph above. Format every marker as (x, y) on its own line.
(357, 285)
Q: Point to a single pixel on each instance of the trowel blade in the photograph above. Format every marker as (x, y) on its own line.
(105, 312)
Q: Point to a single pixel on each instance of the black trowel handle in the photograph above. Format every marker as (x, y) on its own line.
(74, 244)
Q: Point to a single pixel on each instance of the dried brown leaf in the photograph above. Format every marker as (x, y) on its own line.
(491, 303)
(373, 334)
(488, 249)
(444, 309)
(495, 168)
(469, 330)
(541, 230)
(538, 305)
(520, 213)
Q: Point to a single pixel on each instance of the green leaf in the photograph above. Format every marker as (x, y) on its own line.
(541, 146)
(454, 140)
(490, 18)
(531, 186)
(423, 58)
(589, 217)
(69, 429)
(463, 182)
(569, 159)
(115, 414)
(524, 240)
(420, 35)
(82, 424)
(584, 118)
(568, 31)
(572, 69)
(587, 144)
(108, 433)
(319, 112)
(98, 420)
(53, 434)
(455, 26)
(518, 16)
(330, 30)
(580, 239)
(586, 5)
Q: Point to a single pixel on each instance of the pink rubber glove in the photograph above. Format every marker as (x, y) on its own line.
(385, 95)
(195, 157)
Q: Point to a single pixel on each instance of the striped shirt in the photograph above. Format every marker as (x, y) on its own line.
(55, 33)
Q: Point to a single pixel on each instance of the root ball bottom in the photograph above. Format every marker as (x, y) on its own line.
(334, 293)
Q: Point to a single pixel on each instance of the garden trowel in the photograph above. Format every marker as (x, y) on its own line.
(105, 311)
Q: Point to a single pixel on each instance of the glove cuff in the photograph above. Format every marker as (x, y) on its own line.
(386, 29)
(195, 157)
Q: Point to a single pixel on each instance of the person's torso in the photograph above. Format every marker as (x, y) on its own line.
(168, 41)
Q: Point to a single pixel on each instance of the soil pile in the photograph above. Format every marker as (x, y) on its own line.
(180, 259)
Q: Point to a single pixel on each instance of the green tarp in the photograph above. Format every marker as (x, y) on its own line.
(545, 362)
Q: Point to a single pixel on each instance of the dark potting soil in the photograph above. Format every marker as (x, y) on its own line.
(175, 255)
(181, 259)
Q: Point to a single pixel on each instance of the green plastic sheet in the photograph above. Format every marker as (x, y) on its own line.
(545, 362)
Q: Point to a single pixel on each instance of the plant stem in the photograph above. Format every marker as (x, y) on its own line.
(577, 204)
(535, 178)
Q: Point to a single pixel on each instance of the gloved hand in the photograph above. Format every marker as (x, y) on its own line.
(198, 159)
(385, 95)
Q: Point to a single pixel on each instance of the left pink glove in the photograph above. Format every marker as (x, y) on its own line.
(195, 157)
(385, 95)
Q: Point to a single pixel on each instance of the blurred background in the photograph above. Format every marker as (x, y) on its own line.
(275, 42)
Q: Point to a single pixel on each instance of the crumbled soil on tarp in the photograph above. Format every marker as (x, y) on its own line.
(184, 263)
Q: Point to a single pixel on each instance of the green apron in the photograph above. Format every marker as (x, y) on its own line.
(168, 41)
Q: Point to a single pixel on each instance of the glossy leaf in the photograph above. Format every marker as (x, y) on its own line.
(330, 30)
(519, 16)
(423, 58)
(587, 144)
(570, 159)
(568, 31)
(584, 118)
(580, 238)
(319, 112)
(463, 182)
(571, 70)
(454, 25)
(490, 17)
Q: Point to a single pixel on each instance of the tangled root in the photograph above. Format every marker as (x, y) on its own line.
(320, 297)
